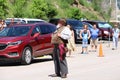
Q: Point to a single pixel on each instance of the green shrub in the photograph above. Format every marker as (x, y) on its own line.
(41, 9)
(75, 13)
(3, 9)
(96, 5)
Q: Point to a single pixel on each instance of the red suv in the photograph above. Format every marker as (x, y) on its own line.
(25, 41)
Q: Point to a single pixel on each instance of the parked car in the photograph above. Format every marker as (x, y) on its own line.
(76, 24)
(25, 41)
(31, 20)
(23, 20)
(15, 21)
(104, 27)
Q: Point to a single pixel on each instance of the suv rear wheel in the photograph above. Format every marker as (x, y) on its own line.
(26, 56)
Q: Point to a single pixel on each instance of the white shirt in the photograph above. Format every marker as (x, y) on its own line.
(66, 33)
(116, 32)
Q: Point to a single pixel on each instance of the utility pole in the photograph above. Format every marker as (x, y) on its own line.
(116, 10)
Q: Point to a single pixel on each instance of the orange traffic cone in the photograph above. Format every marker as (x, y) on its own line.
(101, 51)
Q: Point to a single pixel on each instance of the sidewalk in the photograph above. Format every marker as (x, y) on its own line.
(80, 67)
(91, 67)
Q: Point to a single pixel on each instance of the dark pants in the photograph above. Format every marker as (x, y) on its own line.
(60, 65)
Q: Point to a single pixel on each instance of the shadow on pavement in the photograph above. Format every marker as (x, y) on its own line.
(7, 64)
(41, 60)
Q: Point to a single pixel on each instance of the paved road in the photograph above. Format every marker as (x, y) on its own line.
(81, 67)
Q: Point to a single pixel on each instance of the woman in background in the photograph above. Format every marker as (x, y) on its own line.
(116, 33)
(84, 35)
(71, 42)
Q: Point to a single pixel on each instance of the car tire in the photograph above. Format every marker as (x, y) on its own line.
(51, 56)
(26, 56)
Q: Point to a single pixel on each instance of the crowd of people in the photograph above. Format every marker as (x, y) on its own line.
(63, 40)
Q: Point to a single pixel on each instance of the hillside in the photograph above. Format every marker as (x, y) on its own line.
(89, 9)
(85, 8)
(45, 9)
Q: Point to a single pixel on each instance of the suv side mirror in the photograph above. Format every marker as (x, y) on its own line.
(36, 35)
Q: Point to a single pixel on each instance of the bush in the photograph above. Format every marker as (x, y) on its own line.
(75, 13)
(96, 5)
(41, 9)
(3, 8)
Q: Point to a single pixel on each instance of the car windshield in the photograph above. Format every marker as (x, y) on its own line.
(14, 31)
(104, 25)
(75, 24)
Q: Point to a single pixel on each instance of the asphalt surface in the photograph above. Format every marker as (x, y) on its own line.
(81, 66)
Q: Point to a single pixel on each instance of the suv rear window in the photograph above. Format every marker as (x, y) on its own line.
(104, 25)
(75, 23)
(54, 21)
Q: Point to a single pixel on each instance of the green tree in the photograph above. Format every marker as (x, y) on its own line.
(3, 9)
(75, 13)
(51, 11)
(18, 7)
(41, 9)
(38, 8)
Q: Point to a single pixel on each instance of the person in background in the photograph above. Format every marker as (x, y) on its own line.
(94, 37)
(116, 33)
(71, 43)
(84, 35)
(60, 39)
(11, 22)
(2, 24)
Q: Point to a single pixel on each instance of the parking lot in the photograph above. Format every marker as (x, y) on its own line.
(81, 66)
